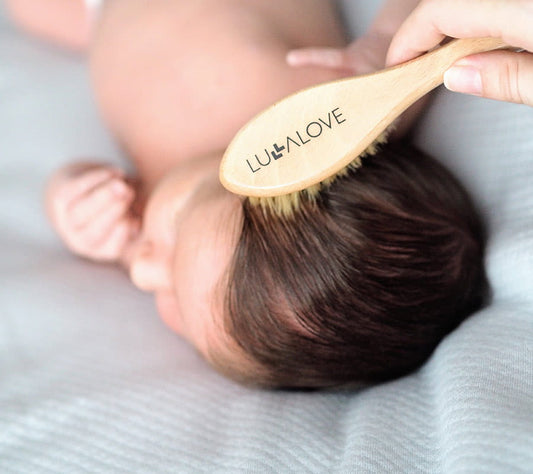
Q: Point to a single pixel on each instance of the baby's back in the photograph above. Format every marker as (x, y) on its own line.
(177, 79)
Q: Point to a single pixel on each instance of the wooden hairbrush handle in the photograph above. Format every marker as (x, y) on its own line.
(313, 134)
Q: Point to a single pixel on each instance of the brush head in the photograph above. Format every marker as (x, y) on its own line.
(301, 141)
(291, 150)
(285, 205)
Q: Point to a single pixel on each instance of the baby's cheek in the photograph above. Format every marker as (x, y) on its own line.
(167, 306)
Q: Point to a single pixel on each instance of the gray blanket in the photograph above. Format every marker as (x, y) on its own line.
(91, 381)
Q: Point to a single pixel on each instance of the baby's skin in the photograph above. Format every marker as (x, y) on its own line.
(174, 81)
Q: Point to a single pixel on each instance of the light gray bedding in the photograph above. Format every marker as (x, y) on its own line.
(91, 381)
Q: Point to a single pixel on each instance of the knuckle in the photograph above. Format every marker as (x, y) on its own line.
(509, 81)
(119, 188)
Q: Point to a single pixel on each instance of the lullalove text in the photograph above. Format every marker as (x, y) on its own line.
(299, 138)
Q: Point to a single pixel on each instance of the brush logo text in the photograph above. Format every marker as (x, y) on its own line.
(297, 139)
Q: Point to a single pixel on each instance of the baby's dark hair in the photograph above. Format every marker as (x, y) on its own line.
(361, 285)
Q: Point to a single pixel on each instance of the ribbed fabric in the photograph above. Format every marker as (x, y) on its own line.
(91, 381)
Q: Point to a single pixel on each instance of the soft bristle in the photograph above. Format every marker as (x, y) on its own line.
(287, 204)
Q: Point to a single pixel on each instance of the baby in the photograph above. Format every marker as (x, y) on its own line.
(360, 285)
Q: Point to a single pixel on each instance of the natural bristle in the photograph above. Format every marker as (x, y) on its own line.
(287, 204)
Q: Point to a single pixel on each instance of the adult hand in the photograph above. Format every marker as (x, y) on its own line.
(502, 75)
(364, 55)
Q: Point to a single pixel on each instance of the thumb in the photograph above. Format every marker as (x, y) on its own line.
(500, 75)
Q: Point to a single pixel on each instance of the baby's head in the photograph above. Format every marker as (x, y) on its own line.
(362, 284)
(359, 286)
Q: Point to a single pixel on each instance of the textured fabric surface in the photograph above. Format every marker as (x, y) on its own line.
(91, 381)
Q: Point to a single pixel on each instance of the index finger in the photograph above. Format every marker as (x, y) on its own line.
(433, 20)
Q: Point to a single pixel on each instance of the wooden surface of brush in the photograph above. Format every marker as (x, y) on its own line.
(306, 139)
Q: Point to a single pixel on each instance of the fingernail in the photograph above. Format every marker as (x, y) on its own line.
(466, 79)
(293, 58)
(119, 188)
